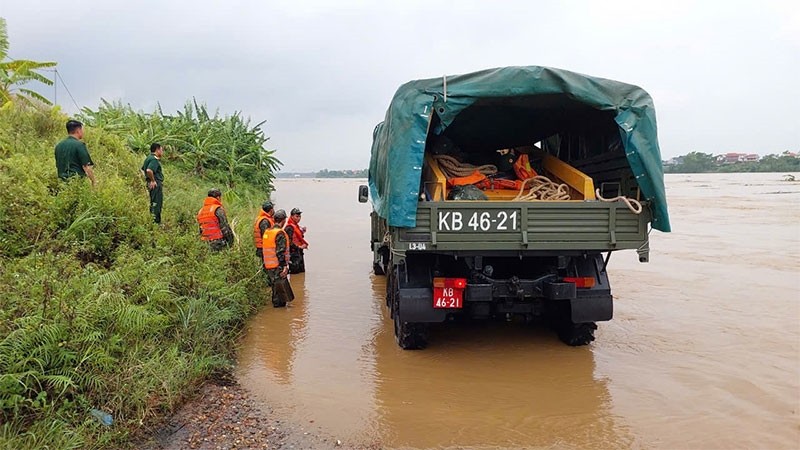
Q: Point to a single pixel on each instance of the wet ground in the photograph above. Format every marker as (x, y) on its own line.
(219, 416)
(703, 351)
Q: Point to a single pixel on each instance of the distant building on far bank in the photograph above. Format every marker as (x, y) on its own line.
(673, 161)
(295, 175)
(730, 158)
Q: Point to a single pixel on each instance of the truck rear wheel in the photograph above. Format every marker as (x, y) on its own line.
(576, 334)
(409, 335)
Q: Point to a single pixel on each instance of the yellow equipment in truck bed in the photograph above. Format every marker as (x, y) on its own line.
(580, 185)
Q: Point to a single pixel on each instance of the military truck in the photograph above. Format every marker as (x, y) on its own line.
(506, 256)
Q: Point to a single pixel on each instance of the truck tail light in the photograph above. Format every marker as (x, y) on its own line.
(458, 283)
(581, 282)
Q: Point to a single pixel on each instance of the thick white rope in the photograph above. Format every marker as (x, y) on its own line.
(632, 203)
(454, 168)
(542, 188)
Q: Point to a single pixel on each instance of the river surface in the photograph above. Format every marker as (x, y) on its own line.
(703, 351)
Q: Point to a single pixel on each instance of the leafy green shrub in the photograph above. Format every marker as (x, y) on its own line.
(222, 149)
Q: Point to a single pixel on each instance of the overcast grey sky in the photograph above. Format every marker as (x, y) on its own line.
(725, 75)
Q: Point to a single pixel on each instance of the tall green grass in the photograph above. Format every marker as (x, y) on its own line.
(100, 308)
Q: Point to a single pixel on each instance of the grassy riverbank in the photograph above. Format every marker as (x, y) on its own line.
(101, 308)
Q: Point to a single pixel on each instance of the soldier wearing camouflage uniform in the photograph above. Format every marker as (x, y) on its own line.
(214, 227)
(297, 242)
(264, 221)
(275, 249)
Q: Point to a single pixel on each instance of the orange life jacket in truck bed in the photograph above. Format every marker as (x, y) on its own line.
(474, 177)
(499, 183)
(523, 169)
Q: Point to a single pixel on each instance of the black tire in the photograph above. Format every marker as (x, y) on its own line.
(576, 334)
(410, 336)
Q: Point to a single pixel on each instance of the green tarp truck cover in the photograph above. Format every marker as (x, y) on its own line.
(399, 141)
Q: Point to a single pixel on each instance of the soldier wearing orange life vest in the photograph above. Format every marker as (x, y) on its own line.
(214, 227)
(275, 248)
(298, 243)
(264, 221)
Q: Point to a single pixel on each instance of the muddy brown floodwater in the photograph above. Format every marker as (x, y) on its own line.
(703, 351)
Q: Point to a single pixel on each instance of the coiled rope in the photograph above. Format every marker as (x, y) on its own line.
(632, 203)
(542, 188)
(454, 168)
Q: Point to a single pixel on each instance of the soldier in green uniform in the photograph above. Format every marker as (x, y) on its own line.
(214, 227)
(72, 157)
(276, 260)
(151, 168)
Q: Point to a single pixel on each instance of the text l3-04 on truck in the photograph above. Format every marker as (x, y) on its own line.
(501, 194)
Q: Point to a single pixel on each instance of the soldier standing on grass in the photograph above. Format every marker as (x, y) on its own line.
(214, 227)
(276, 257)
(151, 168)
(72, 157)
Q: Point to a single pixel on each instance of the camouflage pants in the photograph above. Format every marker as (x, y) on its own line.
(271, 275)
(281, 292)
(297, 263)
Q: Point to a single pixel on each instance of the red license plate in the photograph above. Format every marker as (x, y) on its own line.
(448, 297)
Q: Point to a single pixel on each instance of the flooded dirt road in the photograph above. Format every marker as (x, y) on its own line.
(703, 351)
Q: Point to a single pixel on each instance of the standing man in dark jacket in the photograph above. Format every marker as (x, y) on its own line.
(72, 157)
(214, 227)
(151, 168)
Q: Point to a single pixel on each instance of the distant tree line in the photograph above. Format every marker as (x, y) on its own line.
(325, 173)
(698, 162)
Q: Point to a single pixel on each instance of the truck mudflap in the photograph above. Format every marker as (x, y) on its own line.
(416, 305)
(588, 308)
(595, 303)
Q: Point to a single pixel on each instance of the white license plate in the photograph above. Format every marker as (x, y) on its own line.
(477, 221)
